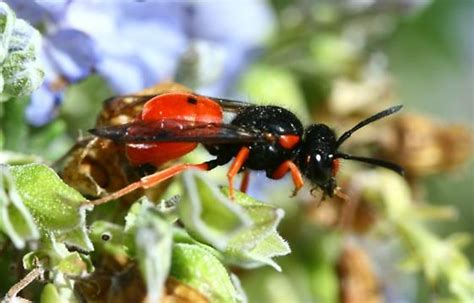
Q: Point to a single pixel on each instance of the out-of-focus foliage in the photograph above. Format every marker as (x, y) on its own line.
(334, 54)
(334, 62)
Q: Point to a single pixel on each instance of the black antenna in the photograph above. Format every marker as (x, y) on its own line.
(377, 162)
(369, 120)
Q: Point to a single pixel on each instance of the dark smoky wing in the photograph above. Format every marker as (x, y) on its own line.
(170, 130)
(229, 105)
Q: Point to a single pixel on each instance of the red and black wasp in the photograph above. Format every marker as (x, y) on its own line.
(266, 138)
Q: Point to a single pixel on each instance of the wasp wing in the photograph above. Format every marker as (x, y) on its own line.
(231, 105)
(120, 102)
(171, 130)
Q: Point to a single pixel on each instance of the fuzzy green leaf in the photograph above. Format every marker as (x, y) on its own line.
(200, 269)
(15, 219)
(244, 230)
(259, 243)
(58, 259)
(181, 236)
(20, 43)
(152, 236)
(75, 265)
(207, 213)
(56, 208)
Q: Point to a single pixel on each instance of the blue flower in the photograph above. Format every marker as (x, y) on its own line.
(134, 45)
(235, 29)
(43, 104)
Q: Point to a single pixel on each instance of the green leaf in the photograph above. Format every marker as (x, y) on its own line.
(61, 290)
(200, 269)
(50, 294)
(56, 208)
(243, 230)
(20, 44)
(35, 259)
(75, 264)
(15, 219)
(166, 208)
(152, 236)
(208, 214)
(57, 258)
(259, 243)
(180, 235)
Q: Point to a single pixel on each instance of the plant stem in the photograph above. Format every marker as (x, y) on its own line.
(30, 277)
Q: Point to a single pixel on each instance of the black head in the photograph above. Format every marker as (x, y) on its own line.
(319, 153)
(316, 158)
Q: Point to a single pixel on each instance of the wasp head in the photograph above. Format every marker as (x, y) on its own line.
(319, 156)
(317, 160)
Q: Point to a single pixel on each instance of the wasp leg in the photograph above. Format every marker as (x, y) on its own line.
(239, 161)
(153, 179)
(295, 174)
(245, 181)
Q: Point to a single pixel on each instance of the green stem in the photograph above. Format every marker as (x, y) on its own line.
(2, 137)
(14, 127)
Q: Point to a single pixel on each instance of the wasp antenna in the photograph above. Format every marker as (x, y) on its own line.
(369, 120)
(377, 162)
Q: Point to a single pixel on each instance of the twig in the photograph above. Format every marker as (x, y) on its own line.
(30, 277)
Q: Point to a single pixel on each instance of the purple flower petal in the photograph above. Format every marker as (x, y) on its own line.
(122, 73)
(72, 53)
(43, 104)
(134, 45)
(28, 10)
(246, 22)
(36, 12)
(141, 43)
(235, 59)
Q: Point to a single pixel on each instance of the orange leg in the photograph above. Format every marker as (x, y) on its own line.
(239, 161)
(295, 174)
(245, 181)
(150, 181)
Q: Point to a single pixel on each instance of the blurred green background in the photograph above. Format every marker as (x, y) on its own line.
(432, 58)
